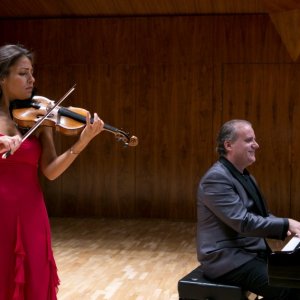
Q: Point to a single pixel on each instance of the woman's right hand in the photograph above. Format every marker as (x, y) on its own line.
(10, 143)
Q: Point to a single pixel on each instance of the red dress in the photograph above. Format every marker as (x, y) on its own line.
(27, 266)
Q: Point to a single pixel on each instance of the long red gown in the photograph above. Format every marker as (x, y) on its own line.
(27, 267)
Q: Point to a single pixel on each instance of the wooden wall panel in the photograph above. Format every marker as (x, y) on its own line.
(174, 40)
(171, 81)
(78, 8)
(248, 38)
(174, 117)
(174, 113)
(75, 41)
(294, 102)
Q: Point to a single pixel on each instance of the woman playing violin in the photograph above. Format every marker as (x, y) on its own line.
(27, 266)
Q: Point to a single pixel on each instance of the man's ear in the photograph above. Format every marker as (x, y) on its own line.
(227, 145)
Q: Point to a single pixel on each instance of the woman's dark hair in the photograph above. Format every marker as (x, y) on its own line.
(228, 132)
(9, 54)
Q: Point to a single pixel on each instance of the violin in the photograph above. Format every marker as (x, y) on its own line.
(68, 121)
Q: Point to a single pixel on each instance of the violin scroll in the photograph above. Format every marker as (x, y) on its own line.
(122, 136)
(132, 141)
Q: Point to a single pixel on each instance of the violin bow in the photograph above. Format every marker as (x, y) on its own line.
(40, 121)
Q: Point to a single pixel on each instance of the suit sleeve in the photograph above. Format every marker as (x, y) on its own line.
(227, 199)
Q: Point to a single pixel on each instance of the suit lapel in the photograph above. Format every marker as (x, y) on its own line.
(254, 194)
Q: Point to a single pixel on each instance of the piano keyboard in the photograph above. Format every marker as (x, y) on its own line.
(292, 245)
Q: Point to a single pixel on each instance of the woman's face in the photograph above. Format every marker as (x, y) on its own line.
(18, 84)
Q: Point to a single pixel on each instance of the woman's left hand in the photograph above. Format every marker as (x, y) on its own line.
(92, 129)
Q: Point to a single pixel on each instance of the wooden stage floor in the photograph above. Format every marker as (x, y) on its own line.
(122, 259)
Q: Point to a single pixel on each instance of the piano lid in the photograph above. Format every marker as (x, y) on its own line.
(284, 265)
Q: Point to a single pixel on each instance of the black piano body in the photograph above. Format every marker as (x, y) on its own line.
(284, 266)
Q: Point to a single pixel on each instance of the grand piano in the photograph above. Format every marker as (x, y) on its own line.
(284, 265)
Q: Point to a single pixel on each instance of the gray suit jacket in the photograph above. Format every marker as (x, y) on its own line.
(231, 225)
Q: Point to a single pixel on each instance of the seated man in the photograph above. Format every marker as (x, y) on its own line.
(233, 219)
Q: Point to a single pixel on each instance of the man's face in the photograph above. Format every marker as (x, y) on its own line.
(241, 152)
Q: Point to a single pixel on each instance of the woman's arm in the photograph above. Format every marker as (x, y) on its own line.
(52, 165)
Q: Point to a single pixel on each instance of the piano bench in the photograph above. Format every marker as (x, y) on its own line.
(194, 286)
